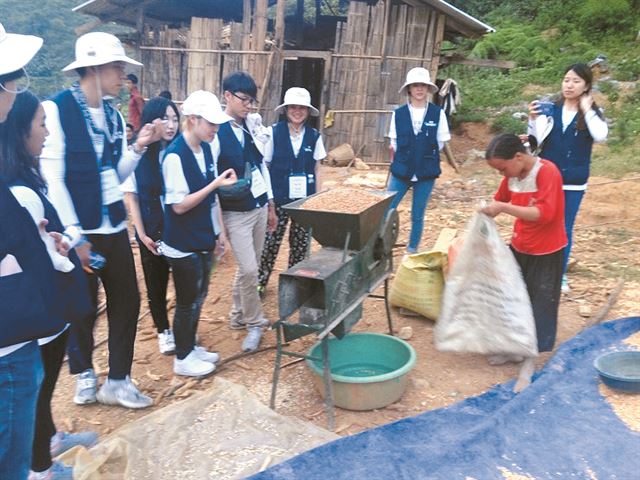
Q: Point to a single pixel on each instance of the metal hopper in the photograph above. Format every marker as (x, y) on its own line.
(330, 228)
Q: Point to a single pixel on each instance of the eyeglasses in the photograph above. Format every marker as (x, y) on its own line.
(21, 84)
(245, 100)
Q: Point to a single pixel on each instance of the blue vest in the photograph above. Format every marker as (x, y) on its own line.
(36, 284)
(285, 163)
(569, 150)
(233, 155)
(417, 155)
(74, 300)
(82, 167)
(150, 188)
(193, 230)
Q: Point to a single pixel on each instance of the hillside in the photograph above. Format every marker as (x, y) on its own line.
(541, 36)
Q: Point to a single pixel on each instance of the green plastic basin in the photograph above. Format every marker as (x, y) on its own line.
(368, 370)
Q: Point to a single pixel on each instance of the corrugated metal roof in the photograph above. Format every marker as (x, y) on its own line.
(171, 12)
(459, 20)
(165, 11)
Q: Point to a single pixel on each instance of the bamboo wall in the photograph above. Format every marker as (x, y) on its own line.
(164, 70)
(373, 83)
(206, 70)
(365, 72)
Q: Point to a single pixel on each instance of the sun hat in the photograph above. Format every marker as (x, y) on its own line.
(206, 105)
(297, 96)
(98, 48)
(418, 75)
(16, 50)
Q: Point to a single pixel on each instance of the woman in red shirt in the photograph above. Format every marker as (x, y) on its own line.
(531, 191)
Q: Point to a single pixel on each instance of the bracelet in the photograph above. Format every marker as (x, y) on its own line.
(139, 152)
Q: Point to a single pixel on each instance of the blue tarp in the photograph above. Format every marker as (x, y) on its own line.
(559, 427)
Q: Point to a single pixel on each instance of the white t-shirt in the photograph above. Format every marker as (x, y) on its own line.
(417, 117)
(52, 165)
(177, 188)
(239, 133)
(319, 151)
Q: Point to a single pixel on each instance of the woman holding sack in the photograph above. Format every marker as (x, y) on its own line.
(22, 137)
(189, 235)
(297, 150)
(566, 131)
(143, 192)
(418, 132)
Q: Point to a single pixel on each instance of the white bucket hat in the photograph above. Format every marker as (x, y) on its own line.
(98, 48)
(206, 105)
(297, 96)
(418, 75)
(16, 50)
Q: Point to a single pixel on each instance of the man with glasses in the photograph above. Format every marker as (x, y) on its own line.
(85, 159)
(246, 217)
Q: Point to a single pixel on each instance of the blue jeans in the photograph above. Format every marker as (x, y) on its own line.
(20, 378)
(421, 193)
(572, 200)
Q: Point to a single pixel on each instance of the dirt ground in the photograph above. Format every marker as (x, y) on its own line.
(607, 239)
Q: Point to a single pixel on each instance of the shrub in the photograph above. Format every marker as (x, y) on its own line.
(505, 123)
(598, 15)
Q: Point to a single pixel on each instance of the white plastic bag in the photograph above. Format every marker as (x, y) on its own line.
(486, 308)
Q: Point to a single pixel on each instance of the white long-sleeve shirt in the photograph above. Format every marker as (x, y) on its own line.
(52, 165)
(598, 128)
(541, 127)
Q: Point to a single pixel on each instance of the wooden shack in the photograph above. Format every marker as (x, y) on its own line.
(351, 55)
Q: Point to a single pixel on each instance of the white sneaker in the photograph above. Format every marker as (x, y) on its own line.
(565, 288)
(252, 340)
(166, 342)
(192, 366)
(124, 393)
(86, 383)
(204, 355)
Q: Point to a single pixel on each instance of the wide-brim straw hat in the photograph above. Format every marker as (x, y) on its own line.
(297, 96)
(98, 48)
(206, 105)
(418, 75)
(16, 50)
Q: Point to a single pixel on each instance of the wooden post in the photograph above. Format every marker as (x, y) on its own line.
(299, 22)
(279, 26)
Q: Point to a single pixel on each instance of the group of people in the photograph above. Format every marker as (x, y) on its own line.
(196, 181)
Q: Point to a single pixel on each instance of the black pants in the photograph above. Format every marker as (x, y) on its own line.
(543, 276)
(191, 280)
(52, 355)
(156, 278)
(118, 277)
(298, 245)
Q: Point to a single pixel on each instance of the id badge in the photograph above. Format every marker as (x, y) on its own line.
(297, 186)
(110, 186)
(258, 185)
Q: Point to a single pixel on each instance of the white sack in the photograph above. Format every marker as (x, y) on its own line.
(486, 308)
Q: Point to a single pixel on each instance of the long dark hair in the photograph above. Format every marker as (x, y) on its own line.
(16, 163)
(157, 108)
(584, 72)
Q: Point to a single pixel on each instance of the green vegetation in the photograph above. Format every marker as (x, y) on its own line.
(544, 37)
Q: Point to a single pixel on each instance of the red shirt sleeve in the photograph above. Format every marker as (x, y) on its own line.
(503, 194)
(549, 196)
